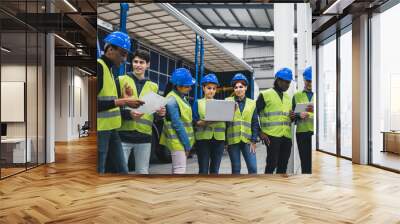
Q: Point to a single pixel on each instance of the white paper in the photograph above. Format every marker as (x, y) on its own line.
(220, 110)
(152, 103)
(302, 107)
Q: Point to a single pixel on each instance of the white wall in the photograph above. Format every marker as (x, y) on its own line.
(258, 57)
(71, 94)
(235, 48)
(33, 126)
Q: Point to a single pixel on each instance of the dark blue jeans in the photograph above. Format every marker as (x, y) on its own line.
(249, 157)
(209, 150)
(110, 156)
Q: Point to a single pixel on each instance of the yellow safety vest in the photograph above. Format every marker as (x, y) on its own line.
(239, 130)
(275, 118)
(169, 137)
(215, 129)
(111, 118)
(306, 125)
(145, 123)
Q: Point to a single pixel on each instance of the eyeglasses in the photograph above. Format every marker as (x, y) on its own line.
(238, 87)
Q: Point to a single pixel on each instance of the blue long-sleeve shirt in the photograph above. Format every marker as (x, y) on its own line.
(255, 126)
(174, 115)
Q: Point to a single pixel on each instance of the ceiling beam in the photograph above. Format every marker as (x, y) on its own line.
(238, 28)
(250, 42)
(224, 6)
(206, 17)
(269, 19)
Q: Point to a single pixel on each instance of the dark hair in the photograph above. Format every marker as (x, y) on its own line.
(168, 88)
(142, 54)
(240, 81)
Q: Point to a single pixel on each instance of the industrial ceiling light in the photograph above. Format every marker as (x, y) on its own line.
(243, 32)
(65, 41)
(86, 72)
(5, 50)
(337, 7)
(70, 5)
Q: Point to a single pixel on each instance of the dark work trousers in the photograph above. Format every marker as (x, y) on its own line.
(209, 154)
(304, 144)
(278, 153)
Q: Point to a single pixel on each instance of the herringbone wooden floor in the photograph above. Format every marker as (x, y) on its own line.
(70, 191)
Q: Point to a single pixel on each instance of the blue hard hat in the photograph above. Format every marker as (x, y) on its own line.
(210, 78)
(182, 77)
(307, 74)
(119, 39)
(239, 77)
(285, 74)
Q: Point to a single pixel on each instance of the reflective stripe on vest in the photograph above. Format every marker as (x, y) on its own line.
(215, 129)
(111, 118)
(306, 125)
(275, 117)
(145, 123)
(169, 138)
(239, 130)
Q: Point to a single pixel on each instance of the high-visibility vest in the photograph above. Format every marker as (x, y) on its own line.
(145, 123)
(215, 129)
(169, 137)
(304, 125)
(111, 118)
(239, 130)
(275, 117)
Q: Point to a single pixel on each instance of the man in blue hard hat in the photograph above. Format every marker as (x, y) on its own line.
(275, 110)
(305, 122)
(109, 100)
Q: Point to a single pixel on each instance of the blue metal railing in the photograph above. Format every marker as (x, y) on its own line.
(122, 27)
(201, 63)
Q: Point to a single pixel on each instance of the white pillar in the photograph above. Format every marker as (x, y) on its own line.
(304, 59)
(50, 93)
(284, 36)
(50, 101)
(304, 41)
(360, 90)
(314, 89)
(284, 48)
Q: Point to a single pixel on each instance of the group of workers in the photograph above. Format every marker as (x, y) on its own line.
(122, 130)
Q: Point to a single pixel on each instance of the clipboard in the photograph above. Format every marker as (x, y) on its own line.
(302, 107)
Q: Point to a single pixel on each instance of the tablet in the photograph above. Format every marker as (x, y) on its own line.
(220, 110)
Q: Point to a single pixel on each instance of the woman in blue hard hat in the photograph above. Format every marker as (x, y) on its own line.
(275, 110)
(242, 132)
(110, 154)
(177, 134)
(210, 136)
(305, 122)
